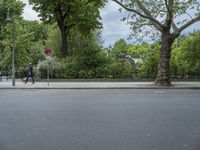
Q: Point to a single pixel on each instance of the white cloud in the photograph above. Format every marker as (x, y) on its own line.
(29, 13)
(113, 28)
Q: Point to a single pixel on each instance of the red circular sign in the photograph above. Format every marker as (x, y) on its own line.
(48, 51)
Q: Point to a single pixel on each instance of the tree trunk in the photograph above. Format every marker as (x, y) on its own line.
(64, 44)
(64, 47)
(163, 74)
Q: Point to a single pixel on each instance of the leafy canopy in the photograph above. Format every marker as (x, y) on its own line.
(147, 15)
(84, 14)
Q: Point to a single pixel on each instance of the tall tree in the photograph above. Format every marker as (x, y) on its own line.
(8, 7)
(169, 18)
(82, 14)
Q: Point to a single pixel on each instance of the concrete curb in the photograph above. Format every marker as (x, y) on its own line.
(99, 85)
(79, 88)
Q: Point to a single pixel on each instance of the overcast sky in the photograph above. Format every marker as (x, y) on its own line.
(113, 28)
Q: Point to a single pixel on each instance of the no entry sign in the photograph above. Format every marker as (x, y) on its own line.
(48, 51)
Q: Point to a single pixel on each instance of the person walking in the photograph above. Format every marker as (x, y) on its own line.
(30, 74)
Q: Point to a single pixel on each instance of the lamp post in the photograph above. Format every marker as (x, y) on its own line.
(9, 19)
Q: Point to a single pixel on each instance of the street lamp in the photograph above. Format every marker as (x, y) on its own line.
(9, 19)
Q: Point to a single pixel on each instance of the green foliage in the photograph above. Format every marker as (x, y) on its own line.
(186, 56)
(53, 64)
(5, 60)
(150, 60)
(148, 54)
(120, 47)
(70, 68)
(36, 53)
(81, 13)
(119, 69)
(89, 62)
(13, 7)
(86, 60)
(34, 31)
(25, 38)
(11, 39)
(54, 40)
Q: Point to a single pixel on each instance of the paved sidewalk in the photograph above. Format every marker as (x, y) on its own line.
(97, 85)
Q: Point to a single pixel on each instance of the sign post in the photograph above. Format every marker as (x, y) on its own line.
(48, 53)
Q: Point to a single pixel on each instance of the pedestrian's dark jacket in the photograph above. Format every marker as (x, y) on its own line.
(30, 70)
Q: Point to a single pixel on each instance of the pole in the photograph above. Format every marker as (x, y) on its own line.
(10, 19)
(48, 52)
(48, 70)
(13, 65)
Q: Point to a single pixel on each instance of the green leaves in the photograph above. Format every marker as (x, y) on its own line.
(120, 48)
(186, 55)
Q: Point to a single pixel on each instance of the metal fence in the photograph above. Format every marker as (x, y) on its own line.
(60, 74)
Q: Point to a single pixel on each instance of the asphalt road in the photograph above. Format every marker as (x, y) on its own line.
(100, 119)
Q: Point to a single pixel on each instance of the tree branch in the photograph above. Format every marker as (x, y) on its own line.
(166, 4)
(169, 5)
(189, 23)
(156, 23)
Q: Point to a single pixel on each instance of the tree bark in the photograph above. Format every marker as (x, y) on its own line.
(64, 44)
(163, 74)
